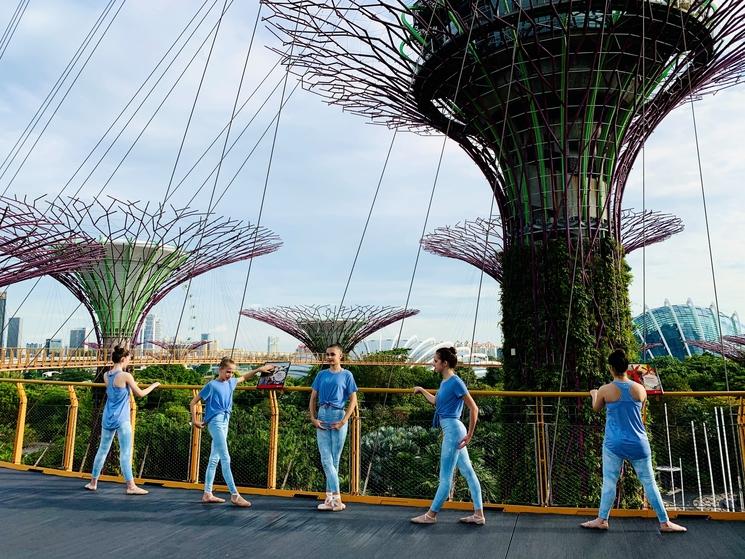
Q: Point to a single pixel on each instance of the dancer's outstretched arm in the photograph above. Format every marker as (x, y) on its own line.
(130, 380)
(250, 374)
(598, 399)
(427, 395)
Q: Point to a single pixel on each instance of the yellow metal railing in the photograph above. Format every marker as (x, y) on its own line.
(528, 440)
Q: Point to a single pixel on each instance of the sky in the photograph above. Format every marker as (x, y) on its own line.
(324, 169)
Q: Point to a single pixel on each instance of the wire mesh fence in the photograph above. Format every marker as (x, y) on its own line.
(527, 450)
(8, 419)
(46, 424)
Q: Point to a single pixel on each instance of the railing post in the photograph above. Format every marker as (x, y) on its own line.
(355, 453)
(271, 478)
(196, 443)
(20, 424)
(132, 419)
(72, 426)
(741, 431)
(544, 488)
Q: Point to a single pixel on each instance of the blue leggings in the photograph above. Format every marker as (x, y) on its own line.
(612, 470)
(451, 456)
(218, 428)
(330, 445)
(124, 436)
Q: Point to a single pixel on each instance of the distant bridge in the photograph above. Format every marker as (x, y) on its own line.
(22, 359)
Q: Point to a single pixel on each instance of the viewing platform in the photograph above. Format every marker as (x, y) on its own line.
(50, 516)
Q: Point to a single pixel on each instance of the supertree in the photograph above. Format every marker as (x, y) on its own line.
(32, 245)
(319, 326)
(179, 350)
(479, 242)
(148, 251)
(553, 100)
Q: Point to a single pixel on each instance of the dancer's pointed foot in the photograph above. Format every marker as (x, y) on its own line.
(134, 490)
(597, 524)
(210, 498)
(671, 527)
(424, 519)
(473, 519)
(91, 486)
(239, 501)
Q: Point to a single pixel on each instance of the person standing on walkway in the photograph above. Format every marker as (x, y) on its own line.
(218, 397)
(625, 439)
(331, 390)
(448, 403)
(116, 420)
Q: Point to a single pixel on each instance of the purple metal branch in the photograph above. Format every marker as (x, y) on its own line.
(181, 346)
(646, 228)
(730, 350)
(32, 245)
(319, 326)
(477, 242)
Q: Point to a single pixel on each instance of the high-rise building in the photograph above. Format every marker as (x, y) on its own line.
(15, 336)
(151, 331)
(77, 338)
(272, 344)
(3, 300)
(53, 343)
(205, 337)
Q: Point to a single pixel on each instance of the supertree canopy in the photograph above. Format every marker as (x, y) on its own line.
(553, 100)
(731, 347)
(179, 350)
(479, 242)
(31, 245)
(319, 326)
(148, 251)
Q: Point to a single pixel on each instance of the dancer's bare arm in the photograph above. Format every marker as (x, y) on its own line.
(136, 390)
(473, 419)
(250, 374)
(427, 395)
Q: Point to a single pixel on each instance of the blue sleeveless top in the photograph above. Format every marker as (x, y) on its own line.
(116, 410)
(625, 435)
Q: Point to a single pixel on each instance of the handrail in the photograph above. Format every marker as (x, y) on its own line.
(530, 433)
(404, 391)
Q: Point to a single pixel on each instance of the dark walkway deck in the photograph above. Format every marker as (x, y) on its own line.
(45, 516)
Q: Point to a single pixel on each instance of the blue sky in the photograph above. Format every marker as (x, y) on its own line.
(324, 171)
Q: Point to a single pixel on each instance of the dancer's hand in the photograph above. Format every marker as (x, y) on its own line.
(338, 424)
(198, 424)
(594, 393)
(155, 385)
(317, 424)
(418, 389)
(465, 441)
(267, 368)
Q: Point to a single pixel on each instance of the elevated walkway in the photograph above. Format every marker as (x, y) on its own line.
(49, 516)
